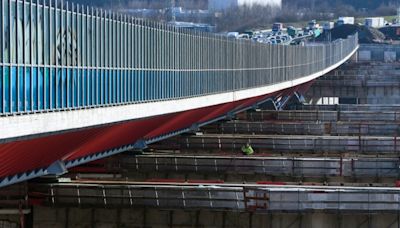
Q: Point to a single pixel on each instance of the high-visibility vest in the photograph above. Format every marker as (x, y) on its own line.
(247, 150)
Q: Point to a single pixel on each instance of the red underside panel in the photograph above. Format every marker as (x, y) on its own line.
(21, 156)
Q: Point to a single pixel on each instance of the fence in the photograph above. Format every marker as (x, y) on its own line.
(61, 56)
(237, 197)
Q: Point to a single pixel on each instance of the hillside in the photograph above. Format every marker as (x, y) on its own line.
(357, 4)
(144, 3)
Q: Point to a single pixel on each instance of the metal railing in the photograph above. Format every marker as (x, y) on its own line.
(371, 145)
(238, 197)
(325, 116)
(361, 128)
(61, 56)
(274, 166)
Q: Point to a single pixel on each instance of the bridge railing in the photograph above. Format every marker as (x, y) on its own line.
(61, 56)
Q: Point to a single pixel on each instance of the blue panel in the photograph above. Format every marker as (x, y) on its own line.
(143, 89)
(106, 87)
(157, 83)
(13, 89)
(28, 90)
(168, 84)
(114, 75)
(7, 91)
(88, 87)
(152, 84)
(92, 88)
(149, 86)
(172, 76)
(40, 82)
(115, 87)
(97, 76)
(84, 88)
(75, 87)
(118, 75)
(121, 85)
(130, 85)
(99, 80)
(45, 88)
(64, 88)
(122, 90)
(58, 89)
(127, 86)
(35, 89)
(136, 89)
(21, 98)
(103, 86)
(1, 89)
(52, 90)
(160, 85)
(143, 80)
(69, 87)
(79, 87)
(124, 85)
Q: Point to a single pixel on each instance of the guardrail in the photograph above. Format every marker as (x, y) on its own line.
(260, 198)
(324, 116)
(273, 166)
(347, 107)
(63, 56)
(341, 128)
(289, 144)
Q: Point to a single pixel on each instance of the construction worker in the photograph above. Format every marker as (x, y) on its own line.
(247, 149)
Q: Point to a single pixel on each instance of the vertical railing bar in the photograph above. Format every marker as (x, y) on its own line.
(31, 54)
(56, 83)
(72, 62)
(23, 56)
(62, 53)
(88, 64)
(3, 81)
(17, 55)
(50, 89)
(67, 60)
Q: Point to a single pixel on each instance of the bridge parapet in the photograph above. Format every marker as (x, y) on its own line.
(64, 57)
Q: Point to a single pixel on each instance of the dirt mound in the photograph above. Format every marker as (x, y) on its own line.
(365, 34)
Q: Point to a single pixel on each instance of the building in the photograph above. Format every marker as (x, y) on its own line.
(218, 5)
(345, 21)
(193, 26)
(375, 22)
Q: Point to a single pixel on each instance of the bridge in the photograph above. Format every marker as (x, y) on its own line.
(79, 84)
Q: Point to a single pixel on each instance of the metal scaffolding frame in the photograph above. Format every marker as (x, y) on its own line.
(235, 197)
(273, 166)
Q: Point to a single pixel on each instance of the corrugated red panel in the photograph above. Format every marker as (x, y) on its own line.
(21, 156)
(118, 135)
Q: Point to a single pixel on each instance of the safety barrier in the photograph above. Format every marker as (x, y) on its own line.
(60, 56)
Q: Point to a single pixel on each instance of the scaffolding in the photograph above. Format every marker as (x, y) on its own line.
(273, 166)
(229, 197)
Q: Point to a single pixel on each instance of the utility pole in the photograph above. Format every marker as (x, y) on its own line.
(398, 15)
(172, 10)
